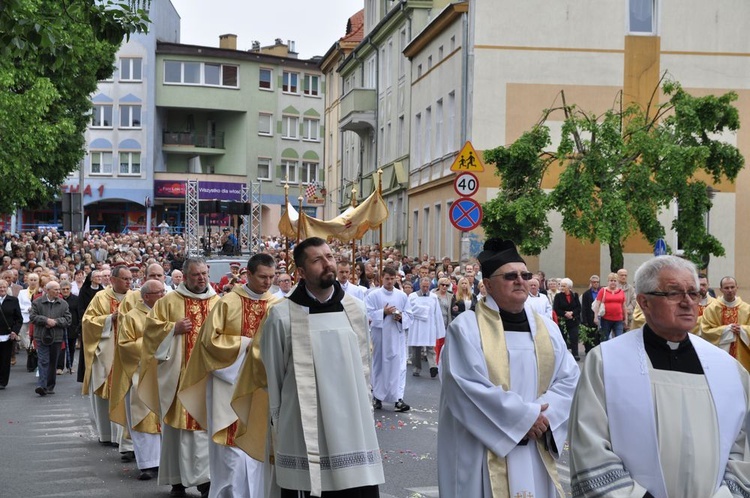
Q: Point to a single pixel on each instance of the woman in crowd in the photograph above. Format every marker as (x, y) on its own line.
(613, 300)
(568, 310)
(552, 290)
(464, 299)
(445, 298)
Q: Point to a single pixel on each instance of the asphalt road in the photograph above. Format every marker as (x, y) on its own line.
(48, 447)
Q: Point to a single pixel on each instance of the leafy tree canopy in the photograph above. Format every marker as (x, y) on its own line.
(619, 171)
(52, 55)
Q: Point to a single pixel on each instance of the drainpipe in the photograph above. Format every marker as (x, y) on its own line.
(465, 79)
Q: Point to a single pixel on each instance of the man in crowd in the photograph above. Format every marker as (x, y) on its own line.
(343, 271)
(285, 285)
(99, 331)
(587, 313)
(234, 272)
(537, 300)
(660, 412)
(176, 280)
(171, 333)
(389, 312)
(67, 358)
(726, 322)
(50, 316)
(507, 384)
(212, 373)
(622, 282)
(426, 327)
(126, 407)
(315, 353)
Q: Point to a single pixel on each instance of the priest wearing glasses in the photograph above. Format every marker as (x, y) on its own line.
(507, 384)
(660, 412)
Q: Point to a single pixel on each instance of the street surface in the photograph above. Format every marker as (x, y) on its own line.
(48, 447)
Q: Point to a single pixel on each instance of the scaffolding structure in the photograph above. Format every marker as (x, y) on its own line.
(192, 240)
(256, 209)
(245, 233)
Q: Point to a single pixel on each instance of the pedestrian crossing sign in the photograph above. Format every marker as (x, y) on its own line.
(468, 160)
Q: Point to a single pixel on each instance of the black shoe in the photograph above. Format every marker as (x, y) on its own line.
(128, 456)
(177, 490)
(41, 391)
(400, 406)
(433, 372)
(50, 391)
(577, 358)
(148, 474)
(377, 404)
(2, 387)
(415, 374)
(203, 488)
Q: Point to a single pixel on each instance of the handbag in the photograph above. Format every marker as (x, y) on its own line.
(32, 359)
(599, 307)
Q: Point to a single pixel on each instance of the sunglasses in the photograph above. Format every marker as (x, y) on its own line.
(513, 275)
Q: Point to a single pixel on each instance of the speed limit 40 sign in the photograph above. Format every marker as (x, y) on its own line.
(466, 184)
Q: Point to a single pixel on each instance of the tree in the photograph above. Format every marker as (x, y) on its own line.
(620, 169)
(53, 53)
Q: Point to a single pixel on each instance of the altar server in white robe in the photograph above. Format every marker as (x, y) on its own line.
(660, 412)
(315, 354)
(507, 385)
(427, 327)
(389, 312)
(343, 270)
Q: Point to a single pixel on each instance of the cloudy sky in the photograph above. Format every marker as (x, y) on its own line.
(313, 24)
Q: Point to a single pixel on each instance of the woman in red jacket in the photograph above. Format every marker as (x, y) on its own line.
(613, 300)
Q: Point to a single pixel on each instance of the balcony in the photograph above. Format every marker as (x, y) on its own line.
(357, 110)
(185, 142)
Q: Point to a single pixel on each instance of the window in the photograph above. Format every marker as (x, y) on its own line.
(453, 43)
(130, 69)
(418, 140)
(264, 168)
(101, 163)
(290, 82)
(309, 172)
(427, 135)
(265, 79)
(419, 70)
(429, 62)
(130, 116)
(200, 73)
(400, 136)
(439, 128)
(290, 127)
(450, 129)
(401, 57)
(312, 85)
(642, 15)
(101, 116)
(265, 124)
(311, 129)
(289, 168)
(130, 163)
(440, 53)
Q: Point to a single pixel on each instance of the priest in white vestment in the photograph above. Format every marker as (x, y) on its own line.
(315, 351)
(426, 328)
(389, 312)
(507, 384)
(660, 412)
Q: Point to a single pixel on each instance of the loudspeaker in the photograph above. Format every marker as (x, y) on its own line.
(231, 207)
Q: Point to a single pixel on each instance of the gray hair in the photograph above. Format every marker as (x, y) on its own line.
(567, 281)
(423, 279)
(647, 276)
(152, 286)
(192, 262)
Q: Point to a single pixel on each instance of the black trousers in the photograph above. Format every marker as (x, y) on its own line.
(361, 492)
(6, 350)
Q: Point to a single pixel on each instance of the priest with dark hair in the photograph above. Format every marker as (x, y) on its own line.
(507, 385)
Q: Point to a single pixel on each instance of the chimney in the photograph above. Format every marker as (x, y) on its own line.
(228, 41)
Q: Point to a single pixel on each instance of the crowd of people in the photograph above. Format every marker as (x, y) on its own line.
(213, 384)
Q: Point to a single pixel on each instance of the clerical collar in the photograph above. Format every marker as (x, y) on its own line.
(251, 293)
(669, 355)
(302, 297)
(513, 322)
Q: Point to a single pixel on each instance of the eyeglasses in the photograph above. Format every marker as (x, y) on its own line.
(443, 285)
(513, 275)
(677, 296)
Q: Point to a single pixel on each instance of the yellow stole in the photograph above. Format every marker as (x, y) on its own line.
(495, 350)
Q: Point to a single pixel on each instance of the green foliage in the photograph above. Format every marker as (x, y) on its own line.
(620, 170)
(519, 212)
(52, 56)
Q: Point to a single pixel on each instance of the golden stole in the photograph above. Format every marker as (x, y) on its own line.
(495, 351)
